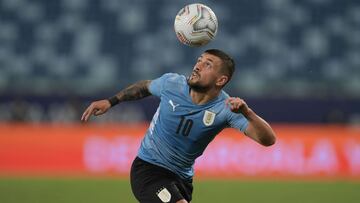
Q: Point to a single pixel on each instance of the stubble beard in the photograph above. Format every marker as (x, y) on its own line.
(197, 87)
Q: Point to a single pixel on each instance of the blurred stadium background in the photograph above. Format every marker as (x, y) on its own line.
(298, 66)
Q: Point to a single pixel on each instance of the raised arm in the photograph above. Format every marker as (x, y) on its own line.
(258, 129)
(136, 91)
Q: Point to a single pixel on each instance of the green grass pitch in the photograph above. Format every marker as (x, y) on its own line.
(56, 190)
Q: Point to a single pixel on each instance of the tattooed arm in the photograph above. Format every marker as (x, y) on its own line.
(136, 91)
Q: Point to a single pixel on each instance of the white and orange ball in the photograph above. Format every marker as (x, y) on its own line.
(195, 25)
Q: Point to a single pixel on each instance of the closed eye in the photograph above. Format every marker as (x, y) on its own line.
(208, 64)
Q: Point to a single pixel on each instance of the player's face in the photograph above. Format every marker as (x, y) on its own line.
(206, 72)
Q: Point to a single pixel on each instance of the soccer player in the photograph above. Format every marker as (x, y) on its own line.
(192, 111)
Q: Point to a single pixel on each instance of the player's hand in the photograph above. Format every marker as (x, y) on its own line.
(96, 108)
(237, 105)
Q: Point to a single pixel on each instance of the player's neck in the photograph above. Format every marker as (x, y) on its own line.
(201, 98)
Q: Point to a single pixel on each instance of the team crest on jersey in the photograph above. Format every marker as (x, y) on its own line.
(208, 118)
(164, 195)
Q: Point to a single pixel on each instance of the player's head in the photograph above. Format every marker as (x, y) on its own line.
(213, 69)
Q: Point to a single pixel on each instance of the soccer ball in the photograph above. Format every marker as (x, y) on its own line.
(195, 25)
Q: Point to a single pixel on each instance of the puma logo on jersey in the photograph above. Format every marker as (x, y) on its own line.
(173, 105)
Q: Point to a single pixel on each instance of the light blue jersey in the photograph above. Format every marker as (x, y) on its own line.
(180, 130)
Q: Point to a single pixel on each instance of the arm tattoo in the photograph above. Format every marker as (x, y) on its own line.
(136, 91)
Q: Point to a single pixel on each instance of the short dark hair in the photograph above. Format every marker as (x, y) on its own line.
(228, 64)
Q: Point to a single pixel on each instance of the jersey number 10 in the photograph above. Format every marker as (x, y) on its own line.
(185, 125)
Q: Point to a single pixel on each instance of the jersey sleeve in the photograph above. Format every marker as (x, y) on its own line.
(157, 85)
(237, 121)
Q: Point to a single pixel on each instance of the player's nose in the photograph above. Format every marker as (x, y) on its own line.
(196, 68)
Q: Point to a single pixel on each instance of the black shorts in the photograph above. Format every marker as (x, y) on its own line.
(152, 184)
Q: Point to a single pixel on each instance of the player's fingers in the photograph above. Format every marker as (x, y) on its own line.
(235, 102)
(84, 114)
(229, 100)
(242, 103)
(238, 100)
(232, 106)
(98, 112)
(237, 105)
(88, 113)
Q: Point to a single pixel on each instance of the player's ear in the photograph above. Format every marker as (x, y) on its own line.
(222, 80)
